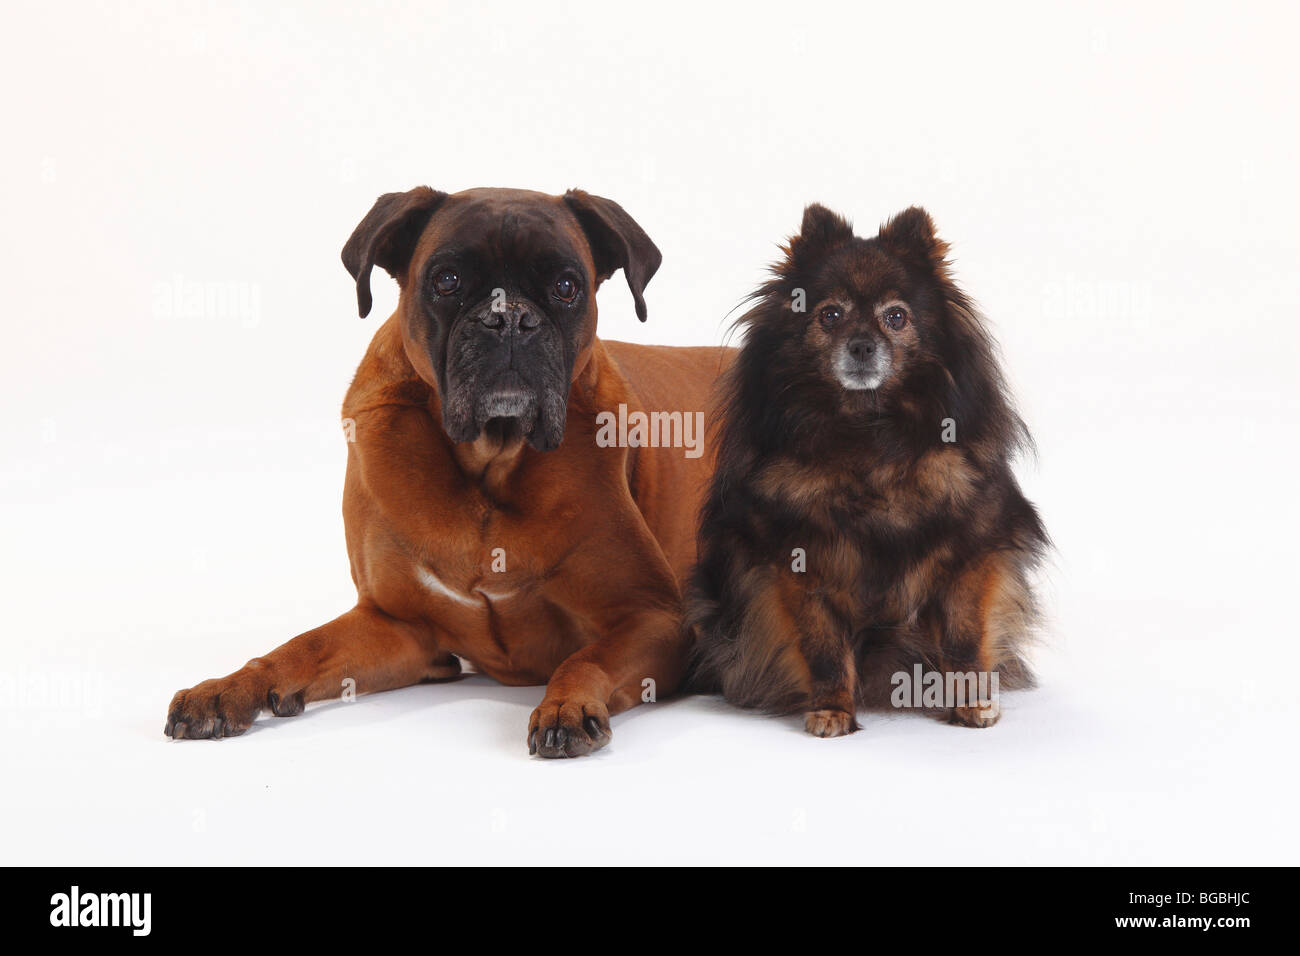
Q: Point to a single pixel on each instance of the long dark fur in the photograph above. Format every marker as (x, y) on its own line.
(917, 549)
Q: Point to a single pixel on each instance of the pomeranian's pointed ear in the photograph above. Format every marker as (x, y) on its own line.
(387, 238)
(820, 231)
(616, 242)
(910, 235)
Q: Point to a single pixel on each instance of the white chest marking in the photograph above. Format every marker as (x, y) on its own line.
(434, 585)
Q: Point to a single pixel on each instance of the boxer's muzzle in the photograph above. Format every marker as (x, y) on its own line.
(507, 365)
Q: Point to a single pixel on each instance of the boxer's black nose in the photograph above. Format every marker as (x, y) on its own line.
(511, 318)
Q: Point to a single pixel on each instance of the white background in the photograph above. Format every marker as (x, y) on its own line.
(1119, 186)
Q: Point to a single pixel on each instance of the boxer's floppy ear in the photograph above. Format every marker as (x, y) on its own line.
(617, 242)
(387, 237)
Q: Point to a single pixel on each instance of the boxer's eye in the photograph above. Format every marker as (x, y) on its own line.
(895, 317)
(830, 315)
(566, 288)
(446, 282)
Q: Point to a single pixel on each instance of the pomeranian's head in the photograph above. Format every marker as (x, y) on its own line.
(865, 331)
(874, 307)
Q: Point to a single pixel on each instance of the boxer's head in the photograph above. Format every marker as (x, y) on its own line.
(498, 303)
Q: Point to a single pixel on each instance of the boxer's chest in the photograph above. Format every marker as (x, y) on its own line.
(490, 565)
(496, 588)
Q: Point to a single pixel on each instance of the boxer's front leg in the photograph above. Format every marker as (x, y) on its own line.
(605, 678)
(365, 645)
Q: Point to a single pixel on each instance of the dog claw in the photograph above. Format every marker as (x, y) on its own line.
(290, 706)
(225, 707)
(568, 729)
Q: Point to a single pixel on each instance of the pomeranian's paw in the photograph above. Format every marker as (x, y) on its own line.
(829, 723)
(977, 716)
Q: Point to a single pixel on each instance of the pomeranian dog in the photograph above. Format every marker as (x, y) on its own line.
(864, 529)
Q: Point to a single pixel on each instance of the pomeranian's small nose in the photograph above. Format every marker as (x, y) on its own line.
(862, 349)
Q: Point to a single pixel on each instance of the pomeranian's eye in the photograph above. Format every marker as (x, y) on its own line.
(895, 318)
(446, 282)
(830, 315)
(566, 288)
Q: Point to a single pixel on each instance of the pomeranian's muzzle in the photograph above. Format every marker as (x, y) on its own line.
(862, 362)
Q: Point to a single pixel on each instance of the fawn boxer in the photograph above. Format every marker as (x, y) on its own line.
(485, 521)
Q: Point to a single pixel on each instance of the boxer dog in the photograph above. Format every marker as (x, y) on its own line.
(484, 520)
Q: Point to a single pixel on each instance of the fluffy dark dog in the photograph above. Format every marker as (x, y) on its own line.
(864, 525)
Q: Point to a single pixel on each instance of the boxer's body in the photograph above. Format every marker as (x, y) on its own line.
(484, 519)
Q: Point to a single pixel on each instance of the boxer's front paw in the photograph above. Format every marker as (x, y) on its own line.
(829, 723)
(227, 706)
(568, 728)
